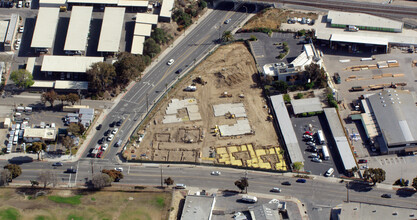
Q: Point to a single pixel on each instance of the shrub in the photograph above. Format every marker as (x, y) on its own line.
(253, 38)
(299, 96)
(287, 98)
(281, 56)
(285, 44)
(304, 114)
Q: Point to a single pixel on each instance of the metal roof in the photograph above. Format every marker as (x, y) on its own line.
(286, 128)
(361, 19)
(53, 2)
(340, 139)
(75, 85)
(395, 113)
(45, 28)
(111, 29)
(43, 84)
(132, 3)
(12, 29)
(107, 2)
(74, 64)
(79, 27)
(143, 29)
(3, 30)
(306, 105)
(166, 8)
(198, 207)
(146, 18)
(30, 64)
(359, 39)
(137, 44)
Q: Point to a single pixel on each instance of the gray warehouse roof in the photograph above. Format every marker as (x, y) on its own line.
(73, 85)
(3, 30)
(45, 28)
(396, 114)
(146, 18)
(111, 29)
(287, 130)
(268, 211)
(198, 207)
(71, 64)
(340, 139)
(166, 8)
(306, 105)
(79, 27)
(361, 19)
(137, 44)
(107, 2)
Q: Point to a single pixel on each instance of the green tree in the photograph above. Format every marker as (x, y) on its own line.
(287, 98)
(68, 143)
(281, 86)
(151, 48)
(129, 67)
(301, 32)
(14, 169)
(285, 44)
(62, 98)
(414, 184)
(101, 180)
(182, 18)
(242, 184)
(73, 98)
(76, 129)
(299, 95)
(50, 97)
(315, 74)
(297, 166)
(160, 36)
(5, 177)
(169, 181)
(115, 175)
(202, 4)
(101, 77)
(22, 78)
(227, 36)
(36, 147)
(253, 38)
(375, 175)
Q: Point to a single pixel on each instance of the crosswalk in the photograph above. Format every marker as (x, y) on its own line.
(395, 160)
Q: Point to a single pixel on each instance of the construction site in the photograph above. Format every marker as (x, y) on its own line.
(215, 114)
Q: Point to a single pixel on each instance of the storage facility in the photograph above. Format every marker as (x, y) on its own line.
(52, 3)
(45, 28)
(11, 32)
(198, 207)
(30, 64)
(166, 10)
(3, 30)
(137, 44)
(68, 64)
(39, 134)
(111, 30)
(300, 106)
(121, 3)
(79, 28)
(143, 29)
(146, 18)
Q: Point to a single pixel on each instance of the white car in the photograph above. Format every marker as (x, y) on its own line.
(104, 146)
(276, 189)
(170, 62)
(21, 29)
(110, 137)
(18, 41)
(115, 131)
(318, 160)
(216, 173)
(16, 46)
(227, 21)
(119, 169)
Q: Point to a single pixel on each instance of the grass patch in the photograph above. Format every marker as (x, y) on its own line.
(73, 200)
(160, 202)
(42, 217)
(9, 214)
(93, 199)
(74, 217)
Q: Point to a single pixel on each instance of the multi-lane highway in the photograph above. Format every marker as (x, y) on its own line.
(133, 106)
(318, 195)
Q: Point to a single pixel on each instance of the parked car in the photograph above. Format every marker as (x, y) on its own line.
(178, 71)
(313, 155)
(104, 147)
(57, 164)
(27, 4)
(115, 131)
(99, 127)
(119, 169)
(106, 133)
(112, 124)
(71, 170)
(385, 195)
(216, 173)
(170, 62)
(286, 183)
(227, 21)
(308, 133)
(301, 180)
(101, 141)
(317, 159)
(362, 161)
(110, 137)
(21, 29)
(100, 154)
(19, 4)
(276, 189)
(119, 122)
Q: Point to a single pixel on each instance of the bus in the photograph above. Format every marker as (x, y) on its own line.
(325, 151)
(320, 136)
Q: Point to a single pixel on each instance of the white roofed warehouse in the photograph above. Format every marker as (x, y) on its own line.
(78, 29)
(111, 30)
(166, 10)
(45, 28)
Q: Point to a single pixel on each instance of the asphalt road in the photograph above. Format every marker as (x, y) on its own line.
(318, 195)
(133, 106)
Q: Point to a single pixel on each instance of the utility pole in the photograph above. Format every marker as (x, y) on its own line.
(162, 183)
(246, 178)
(147, 103)
(92, 169)
(347, 192)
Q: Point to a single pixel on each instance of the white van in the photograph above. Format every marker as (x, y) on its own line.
(329, 172)
(320, 136)
(15, 139)
(180, 186)
(248, 198)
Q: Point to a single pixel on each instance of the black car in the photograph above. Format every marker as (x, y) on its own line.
(301, 180)
(388, 196)
(71, 170)
(119, 123)
(57, 164)
(286, 183)
(107, 132)
(99, 127)
(178, 71)
(101, 141)
(112, 124)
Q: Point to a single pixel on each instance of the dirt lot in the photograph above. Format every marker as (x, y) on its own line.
(272, 18)
(99, 205)
(230, 69)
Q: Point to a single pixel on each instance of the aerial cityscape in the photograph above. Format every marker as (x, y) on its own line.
(208, 109)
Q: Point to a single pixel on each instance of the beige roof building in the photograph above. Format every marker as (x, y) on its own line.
(39, 134)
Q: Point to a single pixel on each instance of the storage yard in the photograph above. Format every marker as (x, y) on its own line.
(222, 119)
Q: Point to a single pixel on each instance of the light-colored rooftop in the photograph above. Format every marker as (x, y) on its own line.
(240, 128)
(30, 64)
(11, 30)
(143, 29)
(306, 105)
(43, 84)
(43, 133)
(79, 27)
(108, 2)
(359, 39)
(286, 128)
(238, 109)
(137, 44)
(73, 85)
(339, 136)
(45, 28)
(198, 207)
(362, 19)
(75, 64)
(111, 29)
(166, 8)
(132, 3)
(3, 30)
(146, 18)
(354, 210)
(52, 2)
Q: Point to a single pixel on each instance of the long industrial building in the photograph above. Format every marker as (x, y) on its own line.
(121, 3)
(166, 10)
(45, 28)
(68, 64)
(11, 32)
(143, 28)
(111, 30)
(79, 28)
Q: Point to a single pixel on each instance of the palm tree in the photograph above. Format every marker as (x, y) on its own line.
(227, 36)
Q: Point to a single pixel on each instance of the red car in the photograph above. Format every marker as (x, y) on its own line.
(309, 133)
(99, 154)
(362, 161)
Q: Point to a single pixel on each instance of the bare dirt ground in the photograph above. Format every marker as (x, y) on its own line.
(230, 69)
(272, 18)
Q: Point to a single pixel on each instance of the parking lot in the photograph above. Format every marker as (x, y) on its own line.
(313, 124)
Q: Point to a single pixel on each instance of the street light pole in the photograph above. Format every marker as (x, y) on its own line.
(347, 192)
(162, 183)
